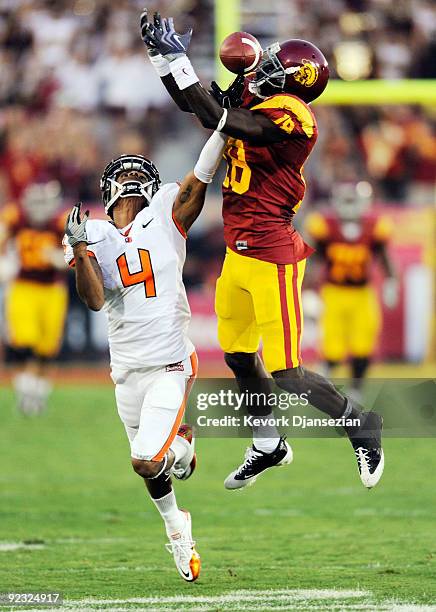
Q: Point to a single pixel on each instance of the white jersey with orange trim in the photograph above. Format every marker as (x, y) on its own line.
(145, 299)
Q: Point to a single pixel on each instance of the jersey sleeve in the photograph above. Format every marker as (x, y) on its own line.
(10, 218)
(382, 230)
(290, 114)
(163, 203)
(317, 227)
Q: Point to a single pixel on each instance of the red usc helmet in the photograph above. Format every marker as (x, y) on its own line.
(294, 66)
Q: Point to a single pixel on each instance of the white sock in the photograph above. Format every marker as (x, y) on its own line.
(266, 445)
(266, 437)
(173, 518)
(180, 448)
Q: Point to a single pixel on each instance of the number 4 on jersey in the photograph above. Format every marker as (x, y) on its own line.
(145, 274)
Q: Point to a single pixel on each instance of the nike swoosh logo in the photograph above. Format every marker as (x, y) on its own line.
(147, 224)
(184, 71)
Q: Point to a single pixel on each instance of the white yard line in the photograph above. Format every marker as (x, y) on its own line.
(6, 546)
(91, 540)
(262, 607)
(255, 601)
(245, 600)
(11, 546)
(237, 596)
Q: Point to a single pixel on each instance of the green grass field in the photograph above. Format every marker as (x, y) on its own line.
(75, 518)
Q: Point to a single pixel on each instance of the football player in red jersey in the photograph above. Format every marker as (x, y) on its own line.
(36, 298)
(349, 236)
(258, 294)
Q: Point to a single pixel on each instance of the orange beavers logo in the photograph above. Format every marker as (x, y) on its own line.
(308, 73)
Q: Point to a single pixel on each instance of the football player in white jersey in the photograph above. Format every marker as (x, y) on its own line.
(131, 265)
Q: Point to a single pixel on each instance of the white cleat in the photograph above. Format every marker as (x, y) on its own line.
(366, 442)
(371, 464)
(182, 547)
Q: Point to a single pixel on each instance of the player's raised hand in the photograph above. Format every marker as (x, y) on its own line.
(230, 97)
(162, 36)
(156, 25)
(75, 227)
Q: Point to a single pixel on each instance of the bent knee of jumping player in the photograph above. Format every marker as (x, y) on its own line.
(241, 364)
(149, 469)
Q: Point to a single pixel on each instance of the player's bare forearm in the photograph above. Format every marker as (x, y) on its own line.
(89, 278)
(162, 39)
(190, 201)
(176, 94)
(240, 122)
(386, 261)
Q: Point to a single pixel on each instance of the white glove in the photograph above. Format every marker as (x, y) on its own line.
(75, 228)
(390, 292)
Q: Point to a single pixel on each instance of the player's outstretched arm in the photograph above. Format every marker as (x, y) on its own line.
(89, 278)
(385, 260)
(390, 289)
(190, 199)
(161, 64)
(238, 123)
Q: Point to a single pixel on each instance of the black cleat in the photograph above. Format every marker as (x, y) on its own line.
(256, 462)
(366, 441)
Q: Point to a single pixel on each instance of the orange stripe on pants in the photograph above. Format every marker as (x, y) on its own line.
(181, 411)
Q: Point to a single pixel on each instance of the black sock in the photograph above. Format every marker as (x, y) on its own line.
(160, 486)
(359, 367)
(323, 395)
(253, 380)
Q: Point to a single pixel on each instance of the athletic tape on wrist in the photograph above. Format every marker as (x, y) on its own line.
(183, 72)
(222, 121)
(160, 64)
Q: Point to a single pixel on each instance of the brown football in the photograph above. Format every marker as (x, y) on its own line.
(240, 52)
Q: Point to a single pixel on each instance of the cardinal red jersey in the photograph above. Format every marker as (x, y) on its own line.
(264, 185)
(34, 245)
(348, 247)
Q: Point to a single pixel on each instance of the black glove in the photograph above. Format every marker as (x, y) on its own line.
(230, 97)
(162, 36)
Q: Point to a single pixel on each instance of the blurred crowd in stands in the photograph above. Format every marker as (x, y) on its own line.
(76, 90)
